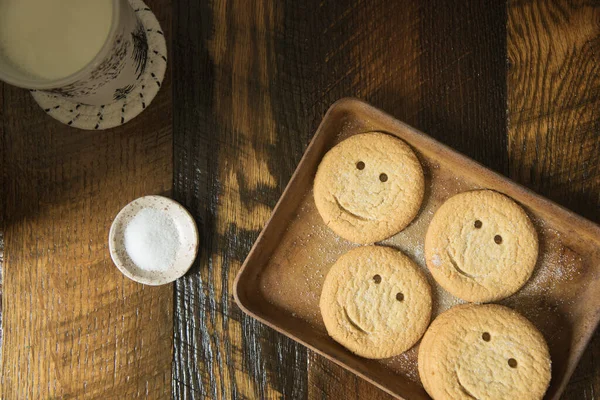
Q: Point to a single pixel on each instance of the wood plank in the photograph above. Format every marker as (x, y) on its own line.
(463, 71)
(74, 326)
(554, 120)
(229, 165)
(3, 180)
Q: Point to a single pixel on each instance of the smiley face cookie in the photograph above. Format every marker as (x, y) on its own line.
(369, 187)
(375, 302)
(483, 352)
(481, 246)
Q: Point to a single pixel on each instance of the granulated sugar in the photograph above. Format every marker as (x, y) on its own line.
(152, 240)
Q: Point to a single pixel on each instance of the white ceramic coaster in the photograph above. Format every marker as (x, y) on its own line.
(162, 210)
(132, 99)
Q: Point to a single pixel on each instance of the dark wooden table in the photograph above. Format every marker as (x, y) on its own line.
(514, 85)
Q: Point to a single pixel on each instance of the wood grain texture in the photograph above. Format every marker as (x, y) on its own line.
(253, 80)
(329, 381)
(224, 146)
(2, 205)
(247, 106)
(554, 120)
(74, 326)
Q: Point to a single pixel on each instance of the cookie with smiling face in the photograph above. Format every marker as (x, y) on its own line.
(369, 187)
(375, 302)
(483, 352)
(481, 246)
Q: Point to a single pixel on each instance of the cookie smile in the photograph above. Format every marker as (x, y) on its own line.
(464, 389)
(457, 268)
(354, 323)
(345, 210)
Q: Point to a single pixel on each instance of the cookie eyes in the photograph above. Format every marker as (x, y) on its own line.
(497, 239)
(511, 361)
(377, 280)
(361, 165)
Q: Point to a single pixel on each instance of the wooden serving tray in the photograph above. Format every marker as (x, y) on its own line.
(280, 281)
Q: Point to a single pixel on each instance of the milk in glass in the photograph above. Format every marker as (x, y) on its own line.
(52, 39)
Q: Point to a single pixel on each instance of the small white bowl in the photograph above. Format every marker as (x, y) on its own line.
(188, 237)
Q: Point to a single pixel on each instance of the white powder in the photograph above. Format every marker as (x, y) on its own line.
(152, 240)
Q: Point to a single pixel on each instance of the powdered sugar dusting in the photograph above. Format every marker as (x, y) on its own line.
(557, 264)
(299, 265)
(294, 276)
(405, 364)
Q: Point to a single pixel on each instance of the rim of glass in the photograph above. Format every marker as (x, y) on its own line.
(32, 83)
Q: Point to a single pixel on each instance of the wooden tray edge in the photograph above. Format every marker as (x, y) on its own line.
(592, 229)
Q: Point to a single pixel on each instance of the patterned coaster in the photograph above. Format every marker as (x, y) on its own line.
(134, 98)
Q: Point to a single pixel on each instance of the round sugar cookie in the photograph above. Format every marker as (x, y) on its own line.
(375, 302)
(369, 187)
(481, 246)
(485, 351)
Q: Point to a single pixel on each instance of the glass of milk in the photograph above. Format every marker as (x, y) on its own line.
(84, 50)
